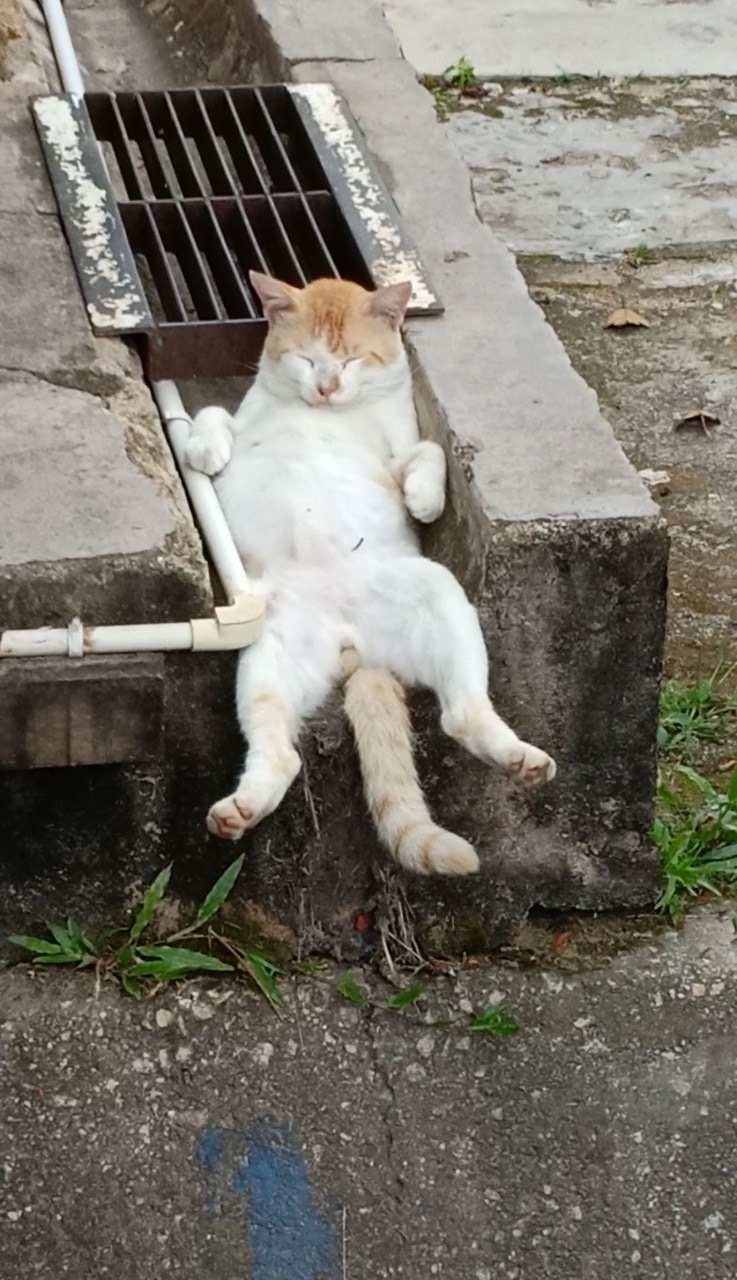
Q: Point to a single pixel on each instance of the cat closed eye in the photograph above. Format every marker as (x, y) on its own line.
(307, 359)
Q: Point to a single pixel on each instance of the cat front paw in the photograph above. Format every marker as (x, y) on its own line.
(208, 453)
(424, 495)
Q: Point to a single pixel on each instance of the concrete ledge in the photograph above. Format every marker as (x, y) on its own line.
(94, 517)
(548, 528)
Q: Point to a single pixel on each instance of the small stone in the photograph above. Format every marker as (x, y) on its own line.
(183, 1053)
(202, 1012)
(465, 1006)
(698, 990)
(14, 1214)
(164, 1017)
(263, 1053)
(425, 1046)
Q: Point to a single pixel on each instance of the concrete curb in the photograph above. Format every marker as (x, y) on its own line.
(550, 529)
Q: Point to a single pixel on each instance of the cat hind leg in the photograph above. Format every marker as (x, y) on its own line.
(416, 619)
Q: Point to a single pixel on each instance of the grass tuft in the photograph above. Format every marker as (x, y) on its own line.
(695, 830)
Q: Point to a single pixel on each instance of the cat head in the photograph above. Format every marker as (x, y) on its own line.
(332, 343)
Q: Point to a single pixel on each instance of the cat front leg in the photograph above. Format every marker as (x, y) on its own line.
(282, 679)
(421, 474)
(270, 724)
(210, 442)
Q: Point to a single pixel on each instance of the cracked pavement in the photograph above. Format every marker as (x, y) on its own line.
(199, 1135)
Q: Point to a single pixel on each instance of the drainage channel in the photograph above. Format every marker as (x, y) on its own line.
(168, 199)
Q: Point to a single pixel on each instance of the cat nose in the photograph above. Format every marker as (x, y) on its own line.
(327, 387)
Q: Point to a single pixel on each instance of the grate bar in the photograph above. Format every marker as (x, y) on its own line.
(212, 157)
(145, 139)
(161, 270)
(291, 270)
(235, 297)
(119, 141)
(259, 261)
(225, 118)
(173, 134)
(178, 220)
(327, 265)
(271, 146)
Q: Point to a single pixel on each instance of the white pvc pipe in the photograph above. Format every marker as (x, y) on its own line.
(76, 640)
(213, 525)
(61, 43)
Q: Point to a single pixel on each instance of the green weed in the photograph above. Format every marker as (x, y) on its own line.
(137, 965)
(494, 1022)
(640, 255)
(348, 988)
(693, 714)
(696, 835)
(460, 75)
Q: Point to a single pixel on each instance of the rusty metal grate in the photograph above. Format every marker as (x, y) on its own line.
(202, 185)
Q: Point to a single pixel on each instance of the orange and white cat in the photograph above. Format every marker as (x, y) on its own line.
(318, 473)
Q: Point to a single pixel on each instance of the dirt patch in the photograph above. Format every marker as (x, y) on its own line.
(580, 943)
(647, 380)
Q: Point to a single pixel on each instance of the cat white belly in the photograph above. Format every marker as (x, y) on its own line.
(311, 494)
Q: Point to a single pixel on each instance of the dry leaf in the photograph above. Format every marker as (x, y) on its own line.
(701, 418)
(561, 940)
(626, 318)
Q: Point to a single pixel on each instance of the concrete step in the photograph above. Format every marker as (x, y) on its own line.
(549, 529)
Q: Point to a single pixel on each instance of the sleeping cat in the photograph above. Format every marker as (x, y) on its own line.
(318, 473)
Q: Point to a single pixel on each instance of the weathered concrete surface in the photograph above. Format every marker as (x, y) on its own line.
(585, 171)
(557, 177)
(201, 1136)
(530, 428)
(549, 528)
(648, 379)
(86, 512)
(94, 517)
(81, 839)
(588, 37)
(550, 531)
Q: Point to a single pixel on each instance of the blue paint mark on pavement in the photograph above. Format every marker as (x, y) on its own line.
(289, 1237)
(210, 1149)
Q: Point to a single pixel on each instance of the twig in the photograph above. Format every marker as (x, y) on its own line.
(297, 1017)
(308, 797)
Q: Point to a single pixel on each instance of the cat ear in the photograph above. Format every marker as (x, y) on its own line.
(390, 302)
(276, 297)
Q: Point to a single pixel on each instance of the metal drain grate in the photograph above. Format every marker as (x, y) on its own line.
(198, 186)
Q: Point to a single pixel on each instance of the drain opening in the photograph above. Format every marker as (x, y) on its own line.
(203, 185)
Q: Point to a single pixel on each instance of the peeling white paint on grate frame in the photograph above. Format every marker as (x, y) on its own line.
(394, 261)
(89, 214)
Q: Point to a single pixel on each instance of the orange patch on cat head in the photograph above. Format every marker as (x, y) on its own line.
(350, 320)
